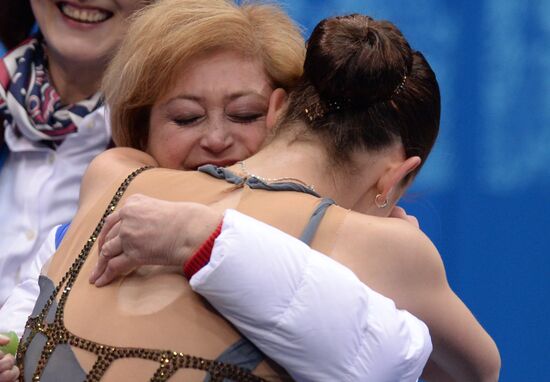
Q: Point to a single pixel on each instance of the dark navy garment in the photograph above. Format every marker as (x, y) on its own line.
(4, 152)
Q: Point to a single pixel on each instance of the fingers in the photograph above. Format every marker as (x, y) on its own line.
(4, 340)
(115, 267)
(11, 375)
(98, 269)
(110, 222)
(8, 371)
(6, 362)
(112, 246)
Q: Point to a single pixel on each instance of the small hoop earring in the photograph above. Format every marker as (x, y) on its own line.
(380, 203)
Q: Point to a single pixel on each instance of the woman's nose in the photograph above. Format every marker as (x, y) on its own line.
(216, 139)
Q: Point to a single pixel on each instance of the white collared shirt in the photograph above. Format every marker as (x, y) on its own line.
(39, 189)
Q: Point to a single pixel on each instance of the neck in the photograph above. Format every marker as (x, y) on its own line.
(74, 81)
(307, 162)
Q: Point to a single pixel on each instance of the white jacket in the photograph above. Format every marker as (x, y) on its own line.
(306, 311)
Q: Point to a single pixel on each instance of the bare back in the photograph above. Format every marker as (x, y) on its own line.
(154, 308)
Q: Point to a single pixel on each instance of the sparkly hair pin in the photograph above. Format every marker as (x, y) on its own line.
(320, 109)
(401, 86)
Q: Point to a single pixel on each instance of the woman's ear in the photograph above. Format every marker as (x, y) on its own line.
(277, 102)
(392, 179)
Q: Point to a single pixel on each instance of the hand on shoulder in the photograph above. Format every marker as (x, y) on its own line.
(148, 231)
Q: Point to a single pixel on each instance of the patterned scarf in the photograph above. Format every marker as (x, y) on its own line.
(29, 104)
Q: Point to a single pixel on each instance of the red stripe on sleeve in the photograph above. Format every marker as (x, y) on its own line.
(202, 256)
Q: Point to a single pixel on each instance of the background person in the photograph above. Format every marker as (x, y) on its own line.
(52, 122)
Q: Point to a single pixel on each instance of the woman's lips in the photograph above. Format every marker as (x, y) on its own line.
(84, 15)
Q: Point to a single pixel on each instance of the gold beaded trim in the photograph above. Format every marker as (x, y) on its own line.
(56, 333)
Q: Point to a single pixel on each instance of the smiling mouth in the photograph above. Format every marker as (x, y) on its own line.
(84, 15)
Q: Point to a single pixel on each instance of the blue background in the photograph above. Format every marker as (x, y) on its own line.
(483, 196)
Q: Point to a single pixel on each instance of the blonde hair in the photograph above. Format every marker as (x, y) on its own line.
(164, 36)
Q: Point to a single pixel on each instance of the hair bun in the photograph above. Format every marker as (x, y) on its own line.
(358, 58)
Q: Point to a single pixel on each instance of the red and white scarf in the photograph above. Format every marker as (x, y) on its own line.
(29, 104)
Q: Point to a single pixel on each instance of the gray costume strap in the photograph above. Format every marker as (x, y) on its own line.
(63, 359)
(253, 182)
(243, 353)
(315, 220)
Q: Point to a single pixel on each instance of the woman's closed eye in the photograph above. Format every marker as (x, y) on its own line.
(246, 118)
(188, 120)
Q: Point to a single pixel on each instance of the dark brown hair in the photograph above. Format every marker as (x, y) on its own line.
(16, 21)
(364, 88)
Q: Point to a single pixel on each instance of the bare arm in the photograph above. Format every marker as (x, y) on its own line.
(414, 276)
(432, 372)
(462, 348)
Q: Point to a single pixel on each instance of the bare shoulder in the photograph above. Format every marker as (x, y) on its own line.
(122, 157)
(392, 255)
(398, 260)
(109, 167)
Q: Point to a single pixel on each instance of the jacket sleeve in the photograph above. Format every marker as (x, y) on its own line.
(307, 312)
(19, 305)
